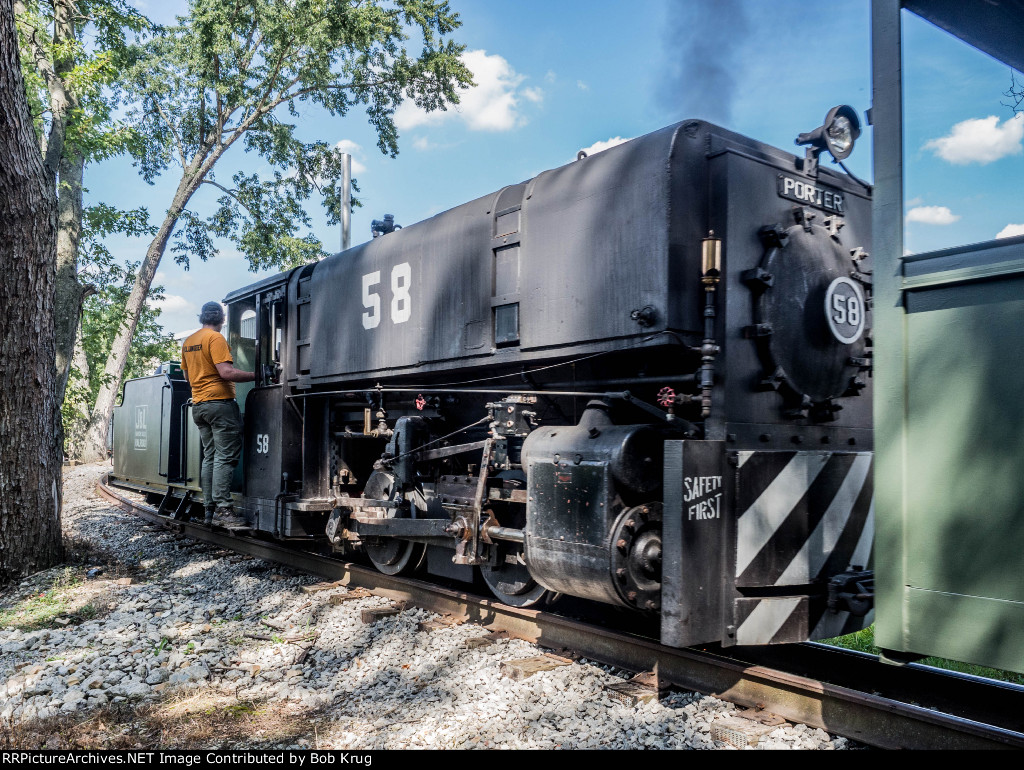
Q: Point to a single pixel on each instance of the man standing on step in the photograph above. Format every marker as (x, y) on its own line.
(207, 364)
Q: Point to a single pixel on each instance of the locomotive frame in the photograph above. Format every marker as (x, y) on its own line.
(641, 379)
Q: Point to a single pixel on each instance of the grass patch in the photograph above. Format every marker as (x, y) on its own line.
(241, 710)
(66, 600)
(196, 720)
(864, 641)
(41, 609)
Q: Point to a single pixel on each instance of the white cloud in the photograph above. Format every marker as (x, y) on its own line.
(582, 86)
(172, 303)
(425, 144)
(231, 254)
(491, 105)
(176, 280)
(980, 140)
(605, 144)
(932, 215)
(1010, 230)
(353, 149)
(550, 77)
(534, 95)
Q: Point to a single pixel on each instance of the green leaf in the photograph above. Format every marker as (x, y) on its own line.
(238, 72)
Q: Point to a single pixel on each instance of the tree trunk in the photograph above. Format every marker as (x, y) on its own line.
(64, 166)
(80, 361)
(68, 308)
(30, 450)
(94, 445)
(76, 400)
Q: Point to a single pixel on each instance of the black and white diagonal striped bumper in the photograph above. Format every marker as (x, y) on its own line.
(758, 572)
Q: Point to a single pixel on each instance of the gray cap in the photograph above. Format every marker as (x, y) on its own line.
(212, 313)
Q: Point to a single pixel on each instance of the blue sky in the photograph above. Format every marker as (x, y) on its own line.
(962, 144)
(557, 76)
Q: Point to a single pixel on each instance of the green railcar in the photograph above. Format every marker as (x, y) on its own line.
(949, 417)
(155, 443)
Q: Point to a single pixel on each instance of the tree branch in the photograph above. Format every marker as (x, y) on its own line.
(252, 47)
(174, 131)
(51, 146)
(261, 107)
(216, 79)
(233, 194)
(270, 81)
(1015, 92)
(202, 115)
(222, 120)
(338, 87)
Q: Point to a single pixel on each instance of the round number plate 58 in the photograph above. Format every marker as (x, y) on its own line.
(845, 310)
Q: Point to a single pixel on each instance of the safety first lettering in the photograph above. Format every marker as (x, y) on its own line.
(703, 497)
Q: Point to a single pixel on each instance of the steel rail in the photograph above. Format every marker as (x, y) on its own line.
(869, 718)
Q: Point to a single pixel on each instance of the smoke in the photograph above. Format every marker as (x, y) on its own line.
(703, 42)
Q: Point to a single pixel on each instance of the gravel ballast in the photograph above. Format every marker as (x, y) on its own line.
(168, 619)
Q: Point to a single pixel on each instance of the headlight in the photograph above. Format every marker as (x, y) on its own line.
(837, 134)
(840, 136)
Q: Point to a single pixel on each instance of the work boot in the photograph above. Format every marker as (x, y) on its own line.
(208, 518)
(226, 517)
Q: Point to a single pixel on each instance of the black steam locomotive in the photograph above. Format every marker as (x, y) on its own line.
(642, 378)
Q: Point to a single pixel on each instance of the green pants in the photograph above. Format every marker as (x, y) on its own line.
(220, 430)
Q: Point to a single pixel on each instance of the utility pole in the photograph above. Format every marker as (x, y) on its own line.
(346, 201)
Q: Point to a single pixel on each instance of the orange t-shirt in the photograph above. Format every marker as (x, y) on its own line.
(200, 354)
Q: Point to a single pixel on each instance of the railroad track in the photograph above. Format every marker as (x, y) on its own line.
(843, 692)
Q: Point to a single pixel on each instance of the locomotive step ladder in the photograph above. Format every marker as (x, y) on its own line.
(181, 511)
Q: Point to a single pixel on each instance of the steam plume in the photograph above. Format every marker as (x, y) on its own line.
(703, 42)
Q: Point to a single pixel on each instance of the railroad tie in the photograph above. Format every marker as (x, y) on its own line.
(517, 670)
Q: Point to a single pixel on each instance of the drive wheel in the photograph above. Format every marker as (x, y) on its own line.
(510, 581)
(390, 555)
(508, 578)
